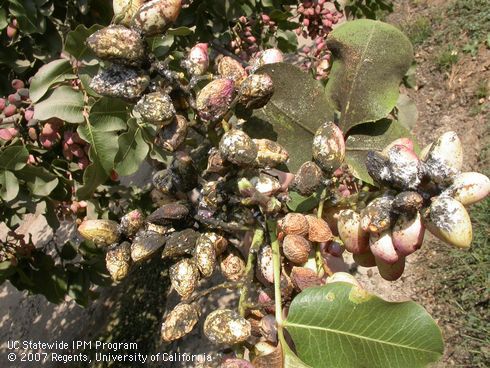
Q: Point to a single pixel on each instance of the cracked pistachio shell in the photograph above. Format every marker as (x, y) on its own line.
(355, 239)
(205, 255)
(120, 82)
(329, 147)
(231, 68)
(124, 10)
(174, 134)
(266, 184)
(146, 244)
(225, 326)
(103, 232)
(256, 91)
(238, 148)
(390, 271)
(156, 108)
(270, 153)
(232, 266)
(381, 245)
(448, 220)
(118, 261)
(408, 233)
(180, 321)
(219, 242)
(308, 179)
(118, 43)
(469, 187)
(156, 16)
(214, 100)
(184, 276)
(132, 222)
(296, 248)
(294, 223)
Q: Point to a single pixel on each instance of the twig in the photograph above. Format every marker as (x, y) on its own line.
(215, 45)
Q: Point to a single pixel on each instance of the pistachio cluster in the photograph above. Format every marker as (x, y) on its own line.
(427, 192)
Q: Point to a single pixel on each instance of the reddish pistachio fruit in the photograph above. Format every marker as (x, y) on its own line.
(11, 31)
(329, 147)
(294, 223)
(406, 142)
(231, 68)
(118, 43)
(318, 230)
(408, 234)
(197, 62)
(469, 187)
(180, 321)
(225, 326)
(365, 259)
(355, 239)
(214, 100)
(269, 56)
(447, 219)
(391, 271)
(104, 232)
(381, 245)
(238, 148)
(9, 110)
(296, 248)
(405, 167)
(156, 16)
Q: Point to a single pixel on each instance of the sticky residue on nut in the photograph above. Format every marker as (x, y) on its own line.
(225, 326)
(214, 100)
(156, 108)
(180, 321)
(120, 82)
(270, 153)
(118, 261)
(238, 148)
(184, 276)
(329, 147)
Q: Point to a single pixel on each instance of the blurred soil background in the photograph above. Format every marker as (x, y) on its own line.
(451, 90)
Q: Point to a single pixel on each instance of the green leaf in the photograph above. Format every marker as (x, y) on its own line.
(370, 137)
(294, 113)
(56, 71)
(3, 19)
(68, 252)
(370, 60)
(27, 15)
(6, 270)
(346, 326)
(180, 31)
(160, 45)
(39, 180)
(75, 44)
(9, 185)
(14, 158)
(109, 114)
(132, 150)
(407, 112)
(63, 103)
(299, 203)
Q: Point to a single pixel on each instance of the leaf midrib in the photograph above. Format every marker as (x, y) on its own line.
(289, 324)
(354, 80)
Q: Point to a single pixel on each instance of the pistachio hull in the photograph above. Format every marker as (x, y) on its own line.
(233, 266)
(294, 223)
(120, 82)
(391, 271)
(256, 91)
(329, 147)
(180, 321)
(118, 261)
(308, 179)
(238, 148)
(270, 153)
(444, 159)
(355, 239)
(146, 244)
(381, 245)
(296, 248)
(205, 255)
(156, 16)
(184, 277)
(376, 217)
(124, 10)
(104, 232)
(318, 230)
(197, 61)
(226, 326)
(231, 69)
(214, 100)
(156, 108)
(408, 234)
(469, 188)
(174, 134)
(365, 259)
(118, 43)
(131, 223)
(448, 220)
